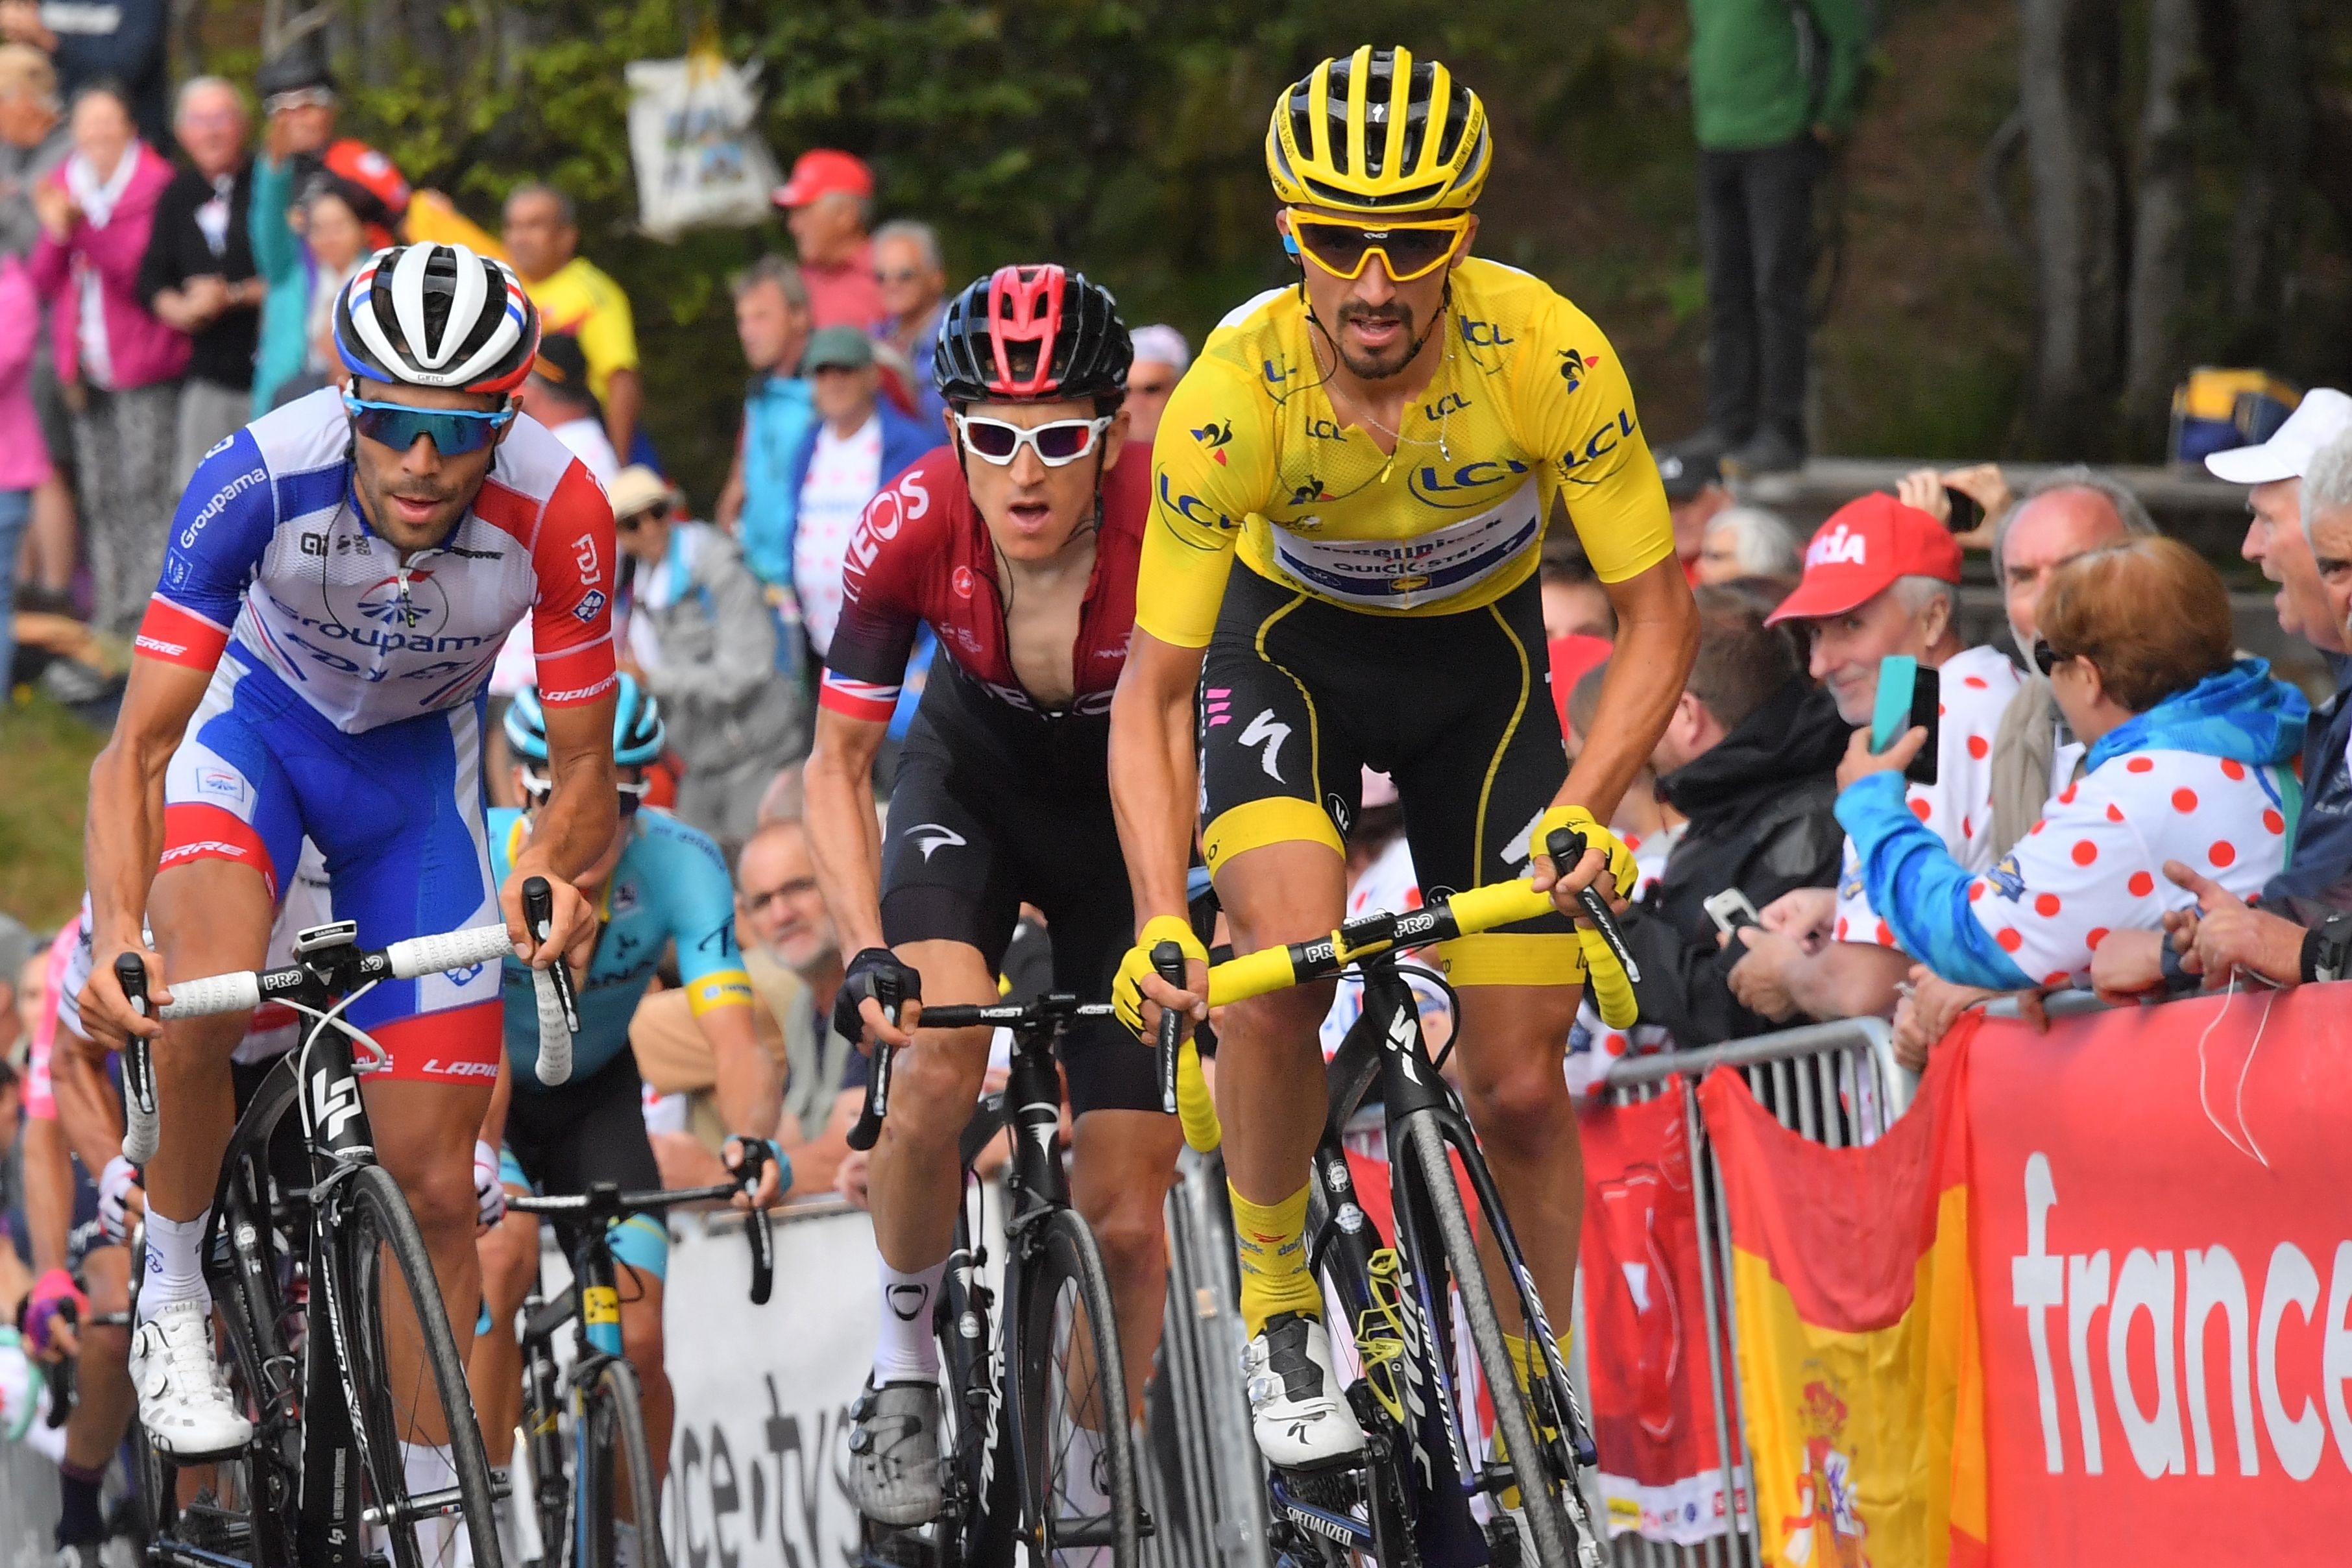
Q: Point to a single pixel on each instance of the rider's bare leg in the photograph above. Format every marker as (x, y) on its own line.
(1512, 1043)
(424, 1137)
(1120, 1167)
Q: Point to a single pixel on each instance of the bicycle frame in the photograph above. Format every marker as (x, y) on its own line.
(1422, 1402)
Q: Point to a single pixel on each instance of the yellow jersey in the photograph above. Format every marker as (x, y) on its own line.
(1528, 403)
(577, 301)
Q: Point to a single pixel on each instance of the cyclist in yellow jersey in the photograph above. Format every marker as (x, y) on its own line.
(1382, 445)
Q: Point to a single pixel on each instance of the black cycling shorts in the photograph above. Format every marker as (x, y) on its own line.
(588, 1130)
(1298, 696)
(993, 807)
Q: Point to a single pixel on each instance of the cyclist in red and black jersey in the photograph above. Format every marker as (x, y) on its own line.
(1017, 544)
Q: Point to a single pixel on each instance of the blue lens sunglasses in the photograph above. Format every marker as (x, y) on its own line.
(453, 432)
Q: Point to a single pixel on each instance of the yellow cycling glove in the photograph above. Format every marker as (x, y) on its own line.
(1127, 990)
(1621, 870)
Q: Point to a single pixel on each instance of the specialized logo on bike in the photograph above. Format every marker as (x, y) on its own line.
(929, 836)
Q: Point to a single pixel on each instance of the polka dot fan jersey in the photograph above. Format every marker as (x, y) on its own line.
(1975, 686)
(2095, 862)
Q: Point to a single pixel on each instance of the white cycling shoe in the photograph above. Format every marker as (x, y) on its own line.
(1297, 1413)
(183, 1399)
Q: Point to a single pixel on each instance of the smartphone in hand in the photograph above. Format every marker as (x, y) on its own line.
(1910, 696)
(1730, 910)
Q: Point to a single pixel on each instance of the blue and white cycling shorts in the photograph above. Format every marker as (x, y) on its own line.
(397, 812)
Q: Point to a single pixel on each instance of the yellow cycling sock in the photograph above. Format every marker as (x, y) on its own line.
(1270, 1242)
(1524, 1360)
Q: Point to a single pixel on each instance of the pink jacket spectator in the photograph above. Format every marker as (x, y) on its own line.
(24, 459)
(142, 349)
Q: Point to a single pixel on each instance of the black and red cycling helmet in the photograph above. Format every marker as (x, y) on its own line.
(1033, 334)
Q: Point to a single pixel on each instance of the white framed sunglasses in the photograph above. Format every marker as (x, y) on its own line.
(1057, 444)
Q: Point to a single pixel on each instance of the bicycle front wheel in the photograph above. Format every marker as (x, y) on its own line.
(1077, 1470)
(385, 1270)
(612, 1425)
(1539, 1505)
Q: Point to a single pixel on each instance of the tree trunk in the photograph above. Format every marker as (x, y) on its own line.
(2069, 77)
(2159, 253)
(2274, 99)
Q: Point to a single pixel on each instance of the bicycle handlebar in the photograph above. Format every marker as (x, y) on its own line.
(559, 1009)
(1607, 958)
(241, 991)
(607, 1203)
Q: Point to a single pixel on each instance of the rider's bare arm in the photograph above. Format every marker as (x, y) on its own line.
(494, 1116)
(844, 838)
(88, 1109)
(1153, 771)
(750, 1093)
(48, 1193)
(124, 836)
(1657, 639)
(571, 831)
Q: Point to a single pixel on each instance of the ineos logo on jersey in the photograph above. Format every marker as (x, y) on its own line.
(1269, 732)
(929, 836)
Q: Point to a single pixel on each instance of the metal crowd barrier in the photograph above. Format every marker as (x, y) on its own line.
(1835, 1083)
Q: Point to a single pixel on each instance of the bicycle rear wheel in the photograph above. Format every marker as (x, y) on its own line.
(380, 1236)
(1546, 1523)
(1077, 1470)
(611, 1422)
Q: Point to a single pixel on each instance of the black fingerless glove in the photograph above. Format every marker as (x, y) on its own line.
(858, 983)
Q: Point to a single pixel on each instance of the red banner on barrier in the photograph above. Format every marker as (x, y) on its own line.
(2162, 1220)
(1662, 1470)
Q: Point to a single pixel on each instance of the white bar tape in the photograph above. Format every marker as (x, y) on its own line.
(140, 1135)
(554, 1038)
(214, 994)
(450, 950)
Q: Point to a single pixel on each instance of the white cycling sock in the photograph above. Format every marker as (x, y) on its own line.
(906, 1352)
(427, 1467)
(625, 1544)
(175, 1263)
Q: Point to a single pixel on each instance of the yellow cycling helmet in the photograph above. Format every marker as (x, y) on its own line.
(1378, 133)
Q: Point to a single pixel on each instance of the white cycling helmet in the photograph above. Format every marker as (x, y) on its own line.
(437, 316)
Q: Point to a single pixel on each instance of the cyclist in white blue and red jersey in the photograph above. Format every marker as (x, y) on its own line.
(338, 578)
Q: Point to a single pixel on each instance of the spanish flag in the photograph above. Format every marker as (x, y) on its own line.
(1855, 1318)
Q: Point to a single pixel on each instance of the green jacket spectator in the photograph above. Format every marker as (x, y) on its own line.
(1752, 83)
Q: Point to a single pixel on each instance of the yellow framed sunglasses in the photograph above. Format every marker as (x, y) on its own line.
(1407, 249)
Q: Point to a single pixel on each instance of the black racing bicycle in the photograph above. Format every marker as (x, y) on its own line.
(1428, 1490)
(585, 1426)
(303, 1283)
(1034, 1438)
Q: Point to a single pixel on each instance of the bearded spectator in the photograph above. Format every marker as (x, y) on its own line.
(828, 205)
(1747, 542)
(2190, 762)
(1162, 356)
(1881, 579)
(912, 272)
(97, 212)
(198, 275)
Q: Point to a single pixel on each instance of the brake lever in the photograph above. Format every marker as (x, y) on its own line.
(1566, 846)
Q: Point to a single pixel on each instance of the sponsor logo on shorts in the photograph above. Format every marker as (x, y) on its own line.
(202, 847)
(929, 836)
(435, 1067)
(220, 781)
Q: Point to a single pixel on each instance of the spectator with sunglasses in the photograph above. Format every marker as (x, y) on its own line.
(2190, 762)
(702, 640)
(658, 883)
(1017, 545)
(912, 272)
(858, 444)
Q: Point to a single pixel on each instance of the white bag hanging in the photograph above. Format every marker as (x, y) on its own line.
(698, 161)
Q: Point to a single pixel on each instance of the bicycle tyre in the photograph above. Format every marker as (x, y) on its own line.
(615, 1421)
(378, 1223)
(1063, 1254)
(1547, 1522)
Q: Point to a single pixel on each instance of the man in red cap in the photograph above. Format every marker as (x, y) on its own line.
(828, 205)
(1881, 579)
